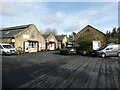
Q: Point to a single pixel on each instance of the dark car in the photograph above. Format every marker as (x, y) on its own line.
(69, 49)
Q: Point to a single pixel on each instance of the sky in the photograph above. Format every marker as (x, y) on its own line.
(65, 17)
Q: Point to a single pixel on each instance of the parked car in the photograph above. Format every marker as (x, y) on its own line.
(7, 49)
(107, 50)
(69, 49)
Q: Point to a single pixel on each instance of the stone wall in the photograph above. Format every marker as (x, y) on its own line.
(20, 38)
(92, 33)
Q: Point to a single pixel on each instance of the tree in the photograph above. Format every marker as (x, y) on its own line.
(118, 32)
(73, 35)
(108, 34)
(70, 38)
(85, 43)
(114, 33)
(113, 36)
(50, 31)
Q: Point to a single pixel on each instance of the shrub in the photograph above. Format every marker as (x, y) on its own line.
(85, 45)
(19, 50)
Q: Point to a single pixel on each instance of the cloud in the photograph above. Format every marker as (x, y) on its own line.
(74, 22)
(56, 18)
(96, 16)
(60, 1)
(17, 9)
(60, 16)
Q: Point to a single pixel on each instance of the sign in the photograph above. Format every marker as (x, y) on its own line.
(26, 36)
(51, 40)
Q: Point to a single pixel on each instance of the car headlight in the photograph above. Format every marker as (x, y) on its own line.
(7, 51)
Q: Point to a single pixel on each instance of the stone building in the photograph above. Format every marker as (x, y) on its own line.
(91, 33)
(62, 40)
(25, 37)
(51, 42)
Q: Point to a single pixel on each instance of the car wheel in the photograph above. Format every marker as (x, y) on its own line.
(103, 55)
(61, 52)
(119, 54)
(3, 53)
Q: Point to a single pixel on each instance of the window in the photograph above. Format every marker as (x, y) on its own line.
(109, 48)
(1, 47)
(33, 34)
(32, 44)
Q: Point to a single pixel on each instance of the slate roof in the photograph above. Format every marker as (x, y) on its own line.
(46, 36)
(10, 32)
(60, 37)
(93, 28)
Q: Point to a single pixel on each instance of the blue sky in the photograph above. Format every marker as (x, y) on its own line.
(65, 17)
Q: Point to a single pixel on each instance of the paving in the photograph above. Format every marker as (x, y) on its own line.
(49, 69)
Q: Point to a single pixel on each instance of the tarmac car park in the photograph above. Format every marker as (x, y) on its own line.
(50, 69)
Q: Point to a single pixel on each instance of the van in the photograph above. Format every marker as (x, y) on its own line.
(7, 49)
(107, 50)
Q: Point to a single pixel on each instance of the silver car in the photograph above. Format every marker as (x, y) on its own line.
(7, 49)
(107, 50)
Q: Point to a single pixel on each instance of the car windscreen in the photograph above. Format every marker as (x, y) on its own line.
(1, 47)
(7, 46)
(102, 47)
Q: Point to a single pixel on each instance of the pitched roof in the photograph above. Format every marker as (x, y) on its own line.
(46, 36)
(12, 31)
(93, 28)
(60, 37)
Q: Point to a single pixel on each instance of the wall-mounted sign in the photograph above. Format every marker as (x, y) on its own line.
(26, 36)
(52, 40)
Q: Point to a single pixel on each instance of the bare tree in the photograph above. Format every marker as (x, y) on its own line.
(50, 31)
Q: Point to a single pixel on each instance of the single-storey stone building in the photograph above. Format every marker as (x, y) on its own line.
(51, 42)
(25, 37)
(91, 33)
(62, 40)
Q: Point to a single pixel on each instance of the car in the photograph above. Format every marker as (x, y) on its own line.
(69, 49)
(107, 50)
(7, 49)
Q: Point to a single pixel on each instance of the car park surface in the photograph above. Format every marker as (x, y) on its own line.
(50, 69)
